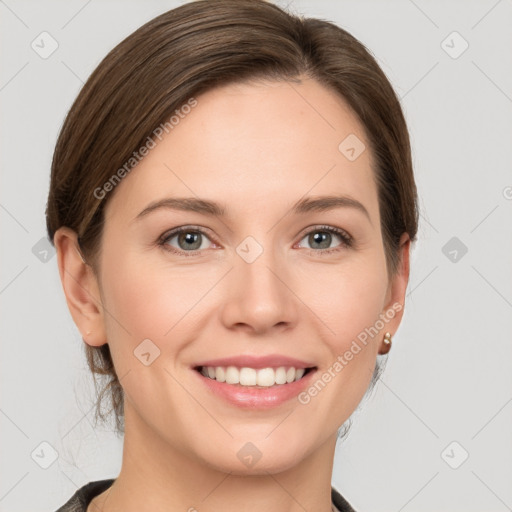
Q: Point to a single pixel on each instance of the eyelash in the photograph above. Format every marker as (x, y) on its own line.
(346, 240)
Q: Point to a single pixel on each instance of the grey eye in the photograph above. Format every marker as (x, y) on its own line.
(188, 241)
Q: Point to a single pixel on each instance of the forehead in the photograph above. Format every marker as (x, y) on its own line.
(253, 144)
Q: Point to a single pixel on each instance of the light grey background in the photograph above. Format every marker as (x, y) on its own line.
(449, 374)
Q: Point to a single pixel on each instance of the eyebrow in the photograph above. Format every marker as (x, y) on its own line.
(211, 208)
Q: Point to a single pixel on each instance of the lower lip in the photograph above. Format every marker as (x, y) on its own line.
(255, 397)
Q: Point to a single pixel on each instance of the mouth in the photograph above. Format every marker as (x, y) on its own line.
(247, 377)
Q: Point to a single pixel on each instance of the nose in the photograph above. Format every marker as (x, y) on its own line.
(258, 297)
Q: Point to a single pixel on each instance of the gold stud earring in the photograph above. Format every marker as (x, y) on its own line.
(387, 344)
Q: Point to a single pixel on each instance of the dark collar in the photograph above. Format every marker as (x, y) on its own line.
(83, 496)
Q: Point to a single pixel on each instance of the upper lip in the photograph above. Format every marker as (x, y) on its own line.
(257, 362)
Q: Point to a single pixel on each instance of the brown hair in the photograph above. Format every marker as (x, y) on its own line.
(141, 83)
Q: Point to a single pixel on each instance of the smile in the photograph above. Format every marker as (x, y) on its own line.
(246, 376)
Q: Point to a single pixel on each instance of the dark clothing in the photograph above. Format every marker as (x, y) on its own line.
(83, 496)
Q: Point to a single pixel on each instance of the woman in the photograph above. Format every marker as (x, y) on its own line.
(232, 202)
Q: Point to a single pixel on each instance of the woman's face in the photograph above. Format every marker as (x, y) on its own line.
(278, 280)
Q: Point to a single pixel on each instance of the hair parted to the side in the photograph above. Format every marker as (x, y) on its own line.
(190, 50)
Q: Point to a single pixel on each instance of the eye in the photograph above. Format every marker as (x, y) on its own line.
(185, 239)
(192, 240)
(322, 237)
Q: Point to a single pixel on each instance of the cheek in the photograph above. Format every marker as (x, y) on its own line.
(146, 299)
(349, 310)
(349, 307)
(346, 298)
(150, 301)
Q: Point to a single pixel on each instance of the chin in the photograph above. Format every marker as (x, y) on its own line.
(254, 458)
(262, 467)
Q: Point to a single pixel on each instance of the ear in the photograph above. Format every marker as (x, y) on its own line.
(80, 288)
(395, 297)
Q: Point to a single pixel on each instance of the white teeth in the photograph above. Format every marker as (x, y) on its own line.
(264, 377)
(281, 375)
(220, 374)
(232, 375)
(248, 377)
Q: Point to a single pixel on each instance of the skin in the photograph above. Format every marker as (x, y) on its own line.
(181, 441)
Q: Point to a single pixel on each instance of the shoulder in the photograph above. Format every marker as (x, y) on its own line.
(341, 504)
(83, 496)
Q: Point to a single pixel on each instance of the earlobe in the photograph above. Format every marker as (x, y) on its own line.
(386, 344)
(80, 288)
